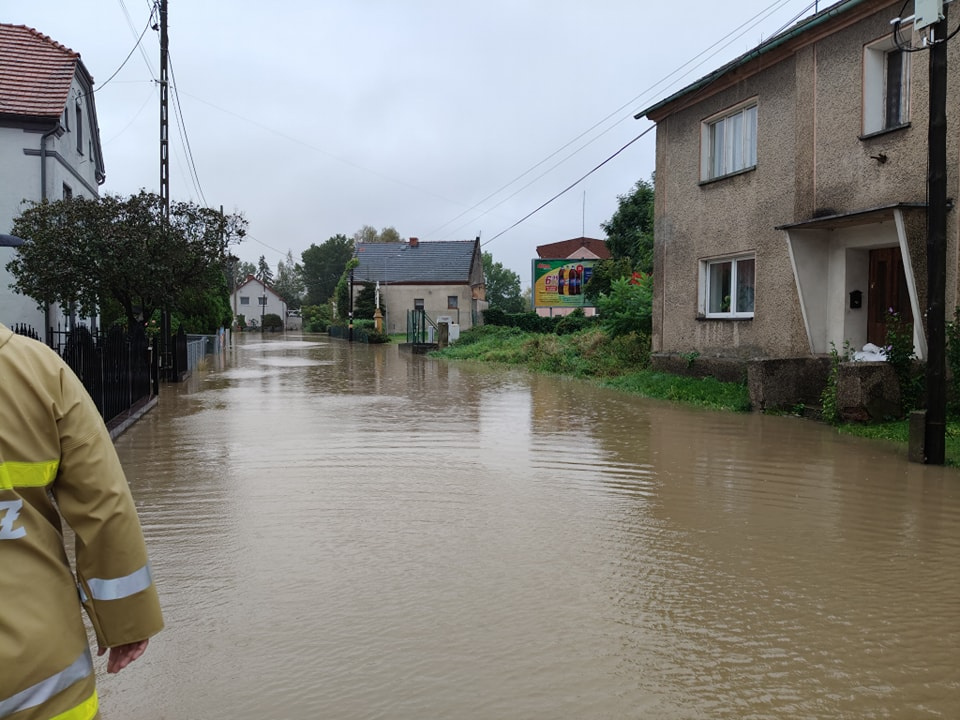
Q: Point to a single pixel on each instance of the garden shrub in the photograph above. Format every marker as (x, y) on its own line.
(628, 307)
(272, 321)
(902, 359)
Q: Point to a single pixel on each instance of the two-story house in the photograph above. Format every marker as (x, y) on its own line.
(791, 192)
(253, 299)
(49, 144)
(442, 278)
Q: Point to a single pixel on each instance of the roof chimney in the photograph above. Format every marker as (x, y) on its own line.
(414, 242)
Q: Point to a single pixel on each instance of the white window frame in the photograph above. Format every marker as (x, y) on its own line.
(876, 84)
(706, 291)
(738, 151)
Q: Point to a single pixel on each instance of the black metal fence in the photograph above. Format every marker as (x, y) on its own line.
(114, 366)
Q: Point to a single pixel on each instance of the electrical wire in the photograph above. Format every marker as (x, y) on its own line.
(568, 188)
(133, 29)
(182, 126)
(703, 56)
(129, 55)
(151, 96)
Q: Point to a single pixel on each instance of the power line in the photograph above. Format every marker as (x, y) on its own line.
(133, 118)
(302, 143)
(182, 127)
(133, 29)
(719, 46)
(568, 188)
(129, 55)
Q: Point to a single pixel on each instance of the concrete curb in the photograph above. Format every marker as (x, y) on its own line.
(131, 417)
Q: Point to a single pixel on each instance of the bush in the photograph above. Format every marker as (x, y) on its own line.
(495, 316)
(316, 318)
(272, 321)
(900, 355)
(628, 308)
(575, 322)
(953, 360)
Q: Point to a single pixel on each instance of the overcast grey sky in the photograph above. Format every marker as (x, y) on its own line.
(443, 118)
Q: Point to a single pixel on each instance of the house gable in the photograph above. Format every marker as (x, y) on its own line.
(582, 247)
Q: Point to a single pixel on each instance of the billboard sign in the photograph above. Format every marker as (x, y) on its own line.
(559, 283)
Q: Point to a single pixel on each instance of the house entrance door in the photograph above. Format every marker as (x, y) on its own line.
(888, 291)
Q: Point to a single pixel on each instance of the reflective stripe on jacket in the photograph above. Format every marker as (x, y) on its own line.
(56, 454)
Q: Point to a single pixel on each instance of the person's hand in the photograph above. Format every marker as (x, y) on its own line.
(123, 655)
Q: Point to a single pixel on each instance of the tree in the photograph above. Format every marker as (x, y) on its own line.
(369, 234)
(204, 310)
(605, 272)
(94, 252)
(242, 270)
(322, 267)
(264, 274)
(289, 281)
(503, 286)
(365, 304)
(342, 291)
(630, 229)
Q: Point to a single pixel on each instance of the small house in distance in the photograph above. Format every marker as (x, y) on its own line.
(557, 280)
(253, 300)
(442, 278)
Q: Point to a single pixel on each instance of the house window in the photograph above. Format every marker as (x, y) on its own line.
(886, 87)
(451, 302)
(67, 192)
(244, 300)
(729, 142)
(418, 303)
(262, 299)
(727, 287)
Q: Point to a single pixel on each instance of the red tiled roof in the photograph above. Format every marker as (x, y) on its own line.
(35, 73)
(566, 248)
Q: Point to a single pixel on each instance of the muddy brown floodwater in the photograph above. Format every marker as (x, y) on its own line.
(343, 531)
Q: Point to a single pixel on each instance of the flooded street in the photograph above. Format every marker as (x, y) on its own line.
(343, 531)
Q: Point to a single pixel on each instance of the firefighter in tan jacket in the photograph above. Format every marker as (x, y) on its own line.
(57, 459)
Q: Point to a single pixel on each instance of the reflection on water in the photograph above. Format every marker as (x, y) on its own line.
(345, 531)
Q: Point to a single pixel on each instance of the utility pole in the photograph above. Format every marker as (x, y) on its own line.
(935, 428)
(165, 354)
(350, 329)
(164, 115)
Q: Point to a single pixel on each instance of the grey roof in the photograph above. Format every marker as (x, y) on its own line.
(11, 241)
(440, 262)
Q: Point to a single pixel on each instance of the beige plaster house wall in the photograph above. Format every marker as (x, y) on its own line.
(398, 299)
(825, 191)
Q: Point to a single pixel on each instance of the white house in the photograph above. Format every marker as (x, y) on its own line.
(49, 144)
(253, 299)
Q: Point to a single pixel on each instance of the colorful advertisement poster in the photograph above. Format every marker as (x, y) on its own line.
(559, 283)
